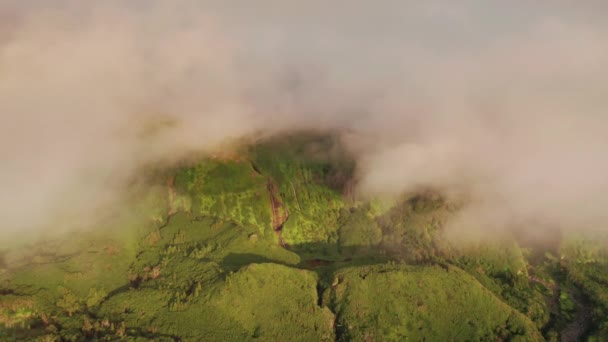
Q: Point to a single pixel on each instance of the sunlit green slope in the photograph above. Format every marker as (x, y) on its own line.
(268, 243)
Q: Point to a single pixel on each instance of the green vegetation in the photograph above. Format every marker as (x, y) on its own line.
(277, 303)
(198, 256)
(309, 184)
(399, 303)
(229, 190)
(585, 266)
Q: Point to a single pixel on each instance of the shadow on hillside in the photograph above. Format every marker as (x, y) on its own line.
(314, 256)
(323, 258)
(236, 261)
(327, 260)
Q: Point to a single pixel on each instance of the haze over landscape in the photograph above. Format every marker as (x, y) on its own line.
(494, 110)
(501, 101)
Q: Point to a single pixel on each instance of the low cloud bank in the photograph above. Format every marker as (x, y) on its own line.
(503, 103)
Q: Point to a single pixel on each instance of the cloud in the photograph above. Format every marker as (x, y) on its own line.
(502, 103)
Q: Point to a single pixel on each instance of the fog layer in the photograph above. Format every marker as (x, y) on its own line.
(502, 103)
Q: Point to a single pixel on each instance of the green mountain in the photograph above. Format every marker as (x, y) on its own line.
(269, 243)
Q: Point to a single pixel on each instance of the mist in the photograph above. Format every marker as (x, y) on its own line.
(502, 104)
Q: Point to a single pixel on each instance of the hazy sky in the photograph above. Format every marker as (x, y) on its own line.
(502, 101)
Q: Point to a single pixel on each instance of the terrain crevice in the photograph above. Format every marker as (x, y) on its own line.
(280, 214)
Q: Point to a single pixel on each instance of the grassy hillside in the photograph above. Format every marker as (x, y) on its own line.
(269, 243)
(413, 303)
